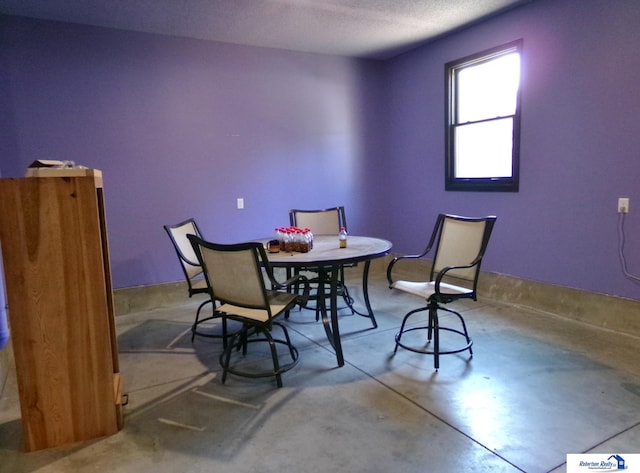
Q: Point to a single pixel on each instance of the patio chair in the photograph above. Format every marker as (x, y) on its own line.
(458, 245)
(193, 274)
(324, 222)
(236, 275)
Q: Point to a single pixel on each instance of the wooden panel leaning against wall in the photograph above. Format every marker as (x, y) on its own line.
(60, 306)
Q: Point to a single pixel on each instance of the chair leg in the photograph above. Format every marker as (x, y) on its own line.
(252, 334)
(224, 333)
(225, 357)
(318, 302)
(433, 325)
(465, 332)
(348, 300)
(342, 291)
(430, 326)
(274, 357)
(244, 340)
(296, 288)
(292, 351)
(433, 328)
(404, 321)
(194, 327)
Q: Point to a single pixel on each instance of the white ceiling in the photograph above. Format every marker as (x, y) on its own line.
(377, 29)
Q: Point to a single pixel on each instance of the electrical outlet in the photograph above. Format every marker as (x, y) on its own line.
(240, 203)
(623, 205)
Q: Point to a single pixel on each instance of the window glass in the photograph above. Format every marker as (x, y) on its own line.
(488, 89)
(483, 150)
(483, 120)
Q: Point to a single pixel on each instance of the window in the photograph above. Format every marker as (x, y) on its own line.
(483, 120)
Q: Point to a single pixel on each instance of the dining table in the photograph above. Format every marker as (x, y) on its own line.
(327, 258)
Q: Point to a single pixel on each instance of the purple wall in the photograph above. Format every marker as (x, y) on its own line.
(580, 145)
(182, 128)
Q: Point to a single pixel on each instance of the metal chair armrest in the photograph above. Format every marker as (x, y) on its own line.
(443, 272)
(294, 280)
(395, 260)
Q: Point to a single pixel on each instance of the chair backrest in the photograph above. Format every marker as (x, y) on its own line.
(462, 241)
(321, 222)
(234, 272)
(188, 259)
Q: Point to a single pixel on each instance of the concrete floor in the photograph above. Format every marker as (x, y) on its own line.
(538, 387)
